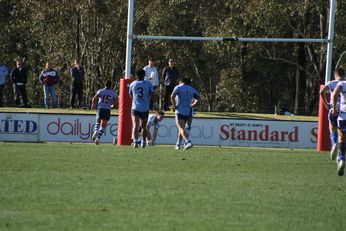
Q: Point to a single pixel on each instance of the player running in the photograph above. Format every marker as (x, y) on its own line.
(140, 92)
(340, 91)
(339, 75)
(104, 100)
(154, 121)
(184, 97)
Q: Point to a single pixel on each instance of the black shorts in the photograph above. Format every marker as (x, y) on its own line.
(142, 115)
(182, 117)
(103, 114)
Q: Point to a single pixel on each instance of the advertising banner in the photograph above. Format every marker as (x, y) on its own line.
(258, 133)
(205, 131)
(74, 128)
(18, 127)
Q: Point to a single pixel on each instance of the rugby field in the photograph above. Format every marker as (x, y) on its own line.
(62, 186)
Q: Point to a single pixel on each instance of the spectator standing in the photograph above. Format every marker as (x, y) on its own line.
(170, 76)
(19, 79)
(77, 74)
(151, 75)
(49, 78)
(3, 80)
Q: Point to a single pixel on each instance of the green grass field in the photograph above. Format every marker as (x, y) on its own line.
(61, 186)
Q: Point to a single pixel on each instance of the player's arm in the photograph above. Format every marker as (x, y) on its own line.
(323, 95)
(195, 101)
(94, 101)
(335, 97)
(154, 135)
(148, 134)
(173, 100)
(115, 103)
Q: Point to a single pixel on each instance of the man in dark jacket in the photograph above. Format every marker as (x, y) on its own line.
(170, 76)
(77, 78)
(19, 79)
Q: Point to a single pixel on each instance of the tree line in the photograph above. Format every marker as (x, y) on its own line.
(240, 76)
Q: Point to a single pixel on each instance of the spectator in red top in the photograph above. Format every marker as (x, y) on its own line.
(49, 78)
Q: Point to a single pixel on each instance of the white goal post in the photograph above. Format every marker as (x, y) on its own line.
(124, 137)
(329, 40)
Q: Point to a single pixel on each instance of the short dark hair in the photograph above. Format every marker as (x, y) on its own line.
(186, 81)
(108, 84)
(340, 72)
(140, 73)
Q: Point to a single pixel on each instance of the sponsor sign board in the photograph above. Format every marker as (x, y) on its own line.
(19, 127)
(205, 131)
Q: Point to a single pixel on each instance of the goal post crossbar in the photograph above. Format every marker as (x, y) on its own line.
(125, 103)
(287, 40)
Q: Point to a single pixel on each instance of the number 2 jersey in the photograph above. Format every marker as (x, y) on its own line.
(140, 91)
(342, 110)
(106, 98)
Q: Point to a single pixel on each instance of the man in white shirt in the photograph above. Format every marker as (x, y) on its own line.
(152, 76)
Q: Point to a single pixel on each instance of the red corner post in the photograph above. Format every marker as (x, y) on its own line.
(124, 119)
(323, 140)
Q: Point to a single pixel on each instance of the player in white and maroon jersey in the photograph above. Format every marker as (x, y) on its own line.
(340, 91)
(154, 121)
(104, 100)
(339, 75)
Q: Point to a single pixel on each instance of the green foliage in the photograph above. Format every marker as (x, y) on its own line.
(95, 32)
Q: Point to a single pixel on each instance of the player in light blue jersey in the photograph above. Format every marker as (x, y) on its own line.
(339, 75)
(184, 97)
(340, 92)
(140, 92)
(154, 121)
(104, 100)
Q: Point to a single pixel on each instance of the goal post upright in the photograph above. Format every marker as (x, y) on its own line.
(323, 140)
(125, 102)
(124, 117)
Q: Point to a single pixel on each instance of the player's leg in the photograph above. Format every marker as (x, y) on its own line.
(179, 138)
(333, 134)
(149, 136)
(178, 143)
(135, 127)
(104, 116)
(340, 159)
(180, 122)
(97, 125)
(143, 124)
(101, 130)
